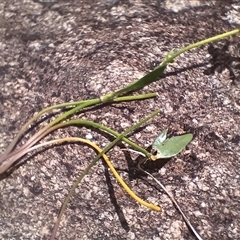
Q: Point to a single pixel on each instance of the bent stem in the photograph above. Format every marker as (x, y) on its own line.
(5, 163)
(140, 83)
(106, 129)
(20, 152)
(38, 115)
(105, 157)
(60, 118)
(92, 163)
(111, 97)
(158, 71)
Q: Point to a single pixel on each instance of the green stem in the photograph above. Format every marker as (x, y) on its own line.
(158, 71)
(32, 140)
(106, 129)
(20, 152)
(45, 110)
(44, 131)
(134, 98)
(147, 79)
(93, 162)
(108, 162)
(58, 119)
(171, 57)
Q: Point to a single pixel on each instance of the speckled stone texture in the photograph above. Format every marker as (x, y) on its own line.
(57, 51)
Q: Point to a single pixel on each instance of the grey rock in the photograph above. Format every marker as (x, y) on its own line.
(57, 51)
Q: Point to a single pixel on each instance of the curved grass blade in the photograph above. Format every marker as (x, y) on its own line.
(108, 162)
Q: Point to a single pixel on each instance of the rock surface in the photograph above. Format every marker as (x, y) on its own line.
(58, 51)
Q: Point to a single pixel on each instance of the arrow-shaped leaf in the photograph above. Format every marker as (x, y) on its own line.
(171, 146)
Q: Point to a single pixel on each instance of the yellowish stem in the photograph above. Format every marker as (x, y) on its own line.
(105, 157)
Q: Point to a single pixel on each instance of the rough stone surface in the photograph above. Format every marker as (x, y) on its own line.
(57, 51)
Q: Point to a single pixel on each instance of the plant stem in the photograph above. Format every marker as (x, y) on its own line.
(20, 152)
(92, 163)
(105, 157)
(4, 165)
(158, 71)
(109, 130)
(142, 82)
(45, 110)
(172, 56)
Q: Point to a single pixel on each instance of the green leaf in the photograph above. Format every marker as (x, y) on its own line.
(149, 78)
(160, 139)
(171, 146)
